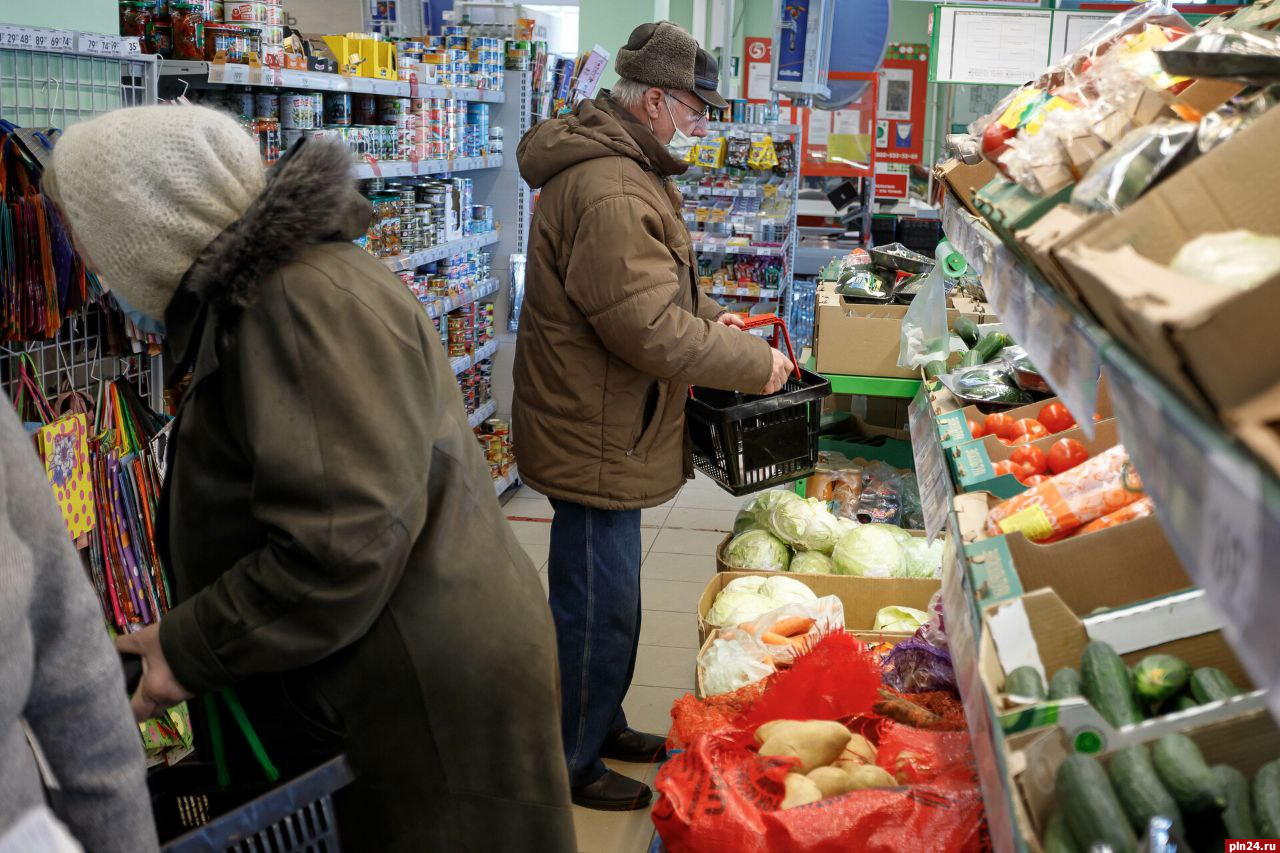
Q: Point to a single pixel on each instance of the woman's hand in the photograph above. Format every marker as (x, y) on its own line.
(159, 687)
(733, 321)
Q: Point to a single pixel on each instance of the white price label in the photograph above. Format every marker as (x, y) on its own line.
(1065, 357)
(101, 45)
(931, 466)
(1230, 555)
(131, 46)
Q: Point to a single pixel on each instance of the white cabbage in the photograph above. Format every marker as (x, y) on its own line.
(812, 563)
(757, 549)
(872, 550)
(806, 525)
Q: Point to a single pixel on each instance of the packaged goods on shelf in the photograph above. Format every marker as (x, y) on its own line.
(495, 437)
(415, 214)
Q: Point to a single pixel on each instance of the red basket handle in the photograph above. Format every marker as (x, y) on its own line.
(761, 320)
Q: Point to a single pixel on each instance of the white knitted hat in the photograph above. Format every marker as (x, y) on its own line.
(145, 189)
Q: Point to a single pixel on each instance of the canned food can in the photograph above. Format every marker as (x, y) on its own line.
(337, 109)
(244, 11)
(274, 16)
(297, 112)
(364, 109)
(267, 105)
(292, 136)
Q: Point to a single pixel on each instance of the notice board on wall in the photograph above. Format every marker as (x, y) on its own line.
(990, 45)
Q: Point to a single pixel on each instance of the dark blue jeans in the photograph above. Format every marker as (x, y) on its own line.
(594, 575)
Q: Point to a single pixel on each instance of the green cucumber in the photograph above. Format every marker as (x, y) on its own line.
(1065, 684)
(1185, 774)
(966, 329)
(1057, 836)
(934, 369)
(1266, 801)
(1209, 684)
(1139, 790)
(1157, 677)
(972, 358)
(990, 345)
(1107, 685)
(1238, 815)
(1089, 804)
(1183, 702)
(1025, 681)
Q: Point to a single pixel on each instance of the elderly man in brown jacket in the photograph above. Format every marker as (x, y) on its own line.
(613, 332)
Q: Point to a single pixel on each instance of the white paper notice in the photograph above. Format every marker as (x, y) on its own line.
(992, 45)
(1072, 29)
(819, 127)
(759, 81)
(847, 122)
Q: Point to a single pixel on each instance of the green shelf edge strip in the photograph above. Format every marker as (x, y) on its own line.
(869, 386)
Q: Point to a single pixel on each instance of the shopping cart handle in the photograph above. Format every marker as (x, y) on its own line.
(761, 320)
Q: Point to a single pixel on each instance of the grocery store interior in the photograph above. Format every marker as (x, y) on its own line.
(883, 394)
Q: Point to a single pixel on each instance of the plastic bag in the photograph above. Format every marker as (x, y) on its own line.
(912, 516)
(805, 624)
(1024, 372)
(1236, 259)
(925, 335)
(916, 666)
(881, 498)
(934, 632)
(1234, 116)
(1134, 165)
(732, 663)
(986, 383)
(1248, 56)
(1137, 509)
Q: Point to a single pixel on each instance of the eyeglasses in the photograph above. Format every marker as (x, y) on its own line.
(698, 116)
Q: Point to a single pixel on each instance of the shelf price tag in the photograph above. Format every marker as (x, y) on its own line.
(1061, 350)
(1230, 560)
(931, 466)
(99, 45)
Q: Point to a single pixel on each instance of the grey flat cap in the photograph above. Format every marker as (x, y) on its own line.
(666, 56)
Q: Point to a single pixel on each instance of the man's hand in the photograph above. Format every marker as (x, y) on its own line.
(733, 321)
(782, 368)
(159, 688)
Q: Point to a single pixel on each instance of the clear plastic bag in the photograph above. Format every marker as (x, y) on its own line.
(925, 334)
(1249, 56)
(1129, 169)
(733, 662)
(912, 516)
(790, 630)
(881, 499)
(1233, 117)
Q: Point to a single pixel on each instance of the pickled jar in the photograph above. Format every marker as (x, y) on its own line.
(188, 30)
(137, 18)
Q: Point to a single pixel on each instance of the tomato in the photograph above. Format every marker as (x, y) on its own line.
(1004, 466)
(975, 429)
(1065, 454)
(1056, 418)
(1035, 480)
(1030, 427)
(1031, 458)
(998, 424)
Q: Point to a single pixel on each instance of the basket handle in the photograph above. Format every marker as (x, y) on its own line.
(762, 320)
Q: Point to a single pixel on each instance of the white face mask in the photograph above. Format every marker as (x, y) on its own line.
(680, 141)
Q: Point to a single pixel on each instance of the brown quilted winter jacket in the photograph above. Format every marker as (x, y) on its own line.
(614, 328)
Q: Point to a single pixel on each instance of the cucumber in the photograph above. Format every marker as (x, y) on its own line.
(1089, 804)
(1107, 686)
(1266, 801)
(1183, 702)
(967, 330)
(1139, 790)
(1025, 681)
(1157, 677)
(1057, 836)
(934, 369)
(990, 345)
(1209, 684)
(972, 358)
(1065, 684)
(1184, 773)
(1238, 815)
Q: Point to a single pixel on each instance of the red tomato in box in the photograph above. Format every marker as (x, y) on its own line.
(976, 429)
(1056, 418)
(1005, 466)
(1065, 454)
(1029, 427)
(997, 424)
(1031, 459)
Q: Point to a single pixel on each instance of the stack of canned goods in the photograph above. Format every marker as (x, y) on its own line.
(263, 17)
(455, 59)
(495, 438)
(744, 112)
(451, 277)
(476, 385)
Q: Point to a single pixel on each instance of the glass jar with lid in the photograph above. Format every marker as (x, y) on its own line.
(137, 18)
(188, 30)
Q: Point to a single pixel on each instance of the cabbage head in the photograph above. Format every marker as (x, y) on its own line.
(757, 549)
(902, 619)
(745, 520)
(733, 607)
(844, 525)
(812, 563)
(763, 504)
(872, 550)
(923, 560)
(806, 525)
(784, 590)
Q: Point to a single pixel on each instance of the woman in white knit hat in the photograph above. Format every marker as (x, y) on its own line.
(328, 518)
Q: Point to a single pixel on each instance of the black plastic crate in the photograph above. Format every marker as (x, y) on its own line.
(194, 815)
(749, 442)
(884, 230)
(920, 235)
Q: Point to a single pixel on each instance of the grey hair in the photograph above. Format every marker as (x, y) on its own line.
(629, 93)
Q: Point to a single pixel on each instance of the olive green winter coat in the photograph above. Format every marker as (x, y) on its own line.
(334, 534)
(613, 329)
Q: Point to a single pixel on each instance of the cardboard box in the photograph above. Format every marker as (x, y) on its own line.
(1111, 568)
(1056, 228)
(973, 462)
(1257, 423)
(1216, 344)
(1039, 629)
(862, 598)
(863, 340)
(953, 416)
(964, 181)
(1245, 741)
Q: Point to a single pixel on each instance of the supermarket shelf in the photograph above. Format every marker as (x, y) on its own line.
(501, 484)
(723, 192)
(749, 292)
(1219, 506)
(703, 243)
(412, 168)
(452, 303)
(442, 251)
(731, 126)
(869, 386)
(463, 362)
(232, 74)
(482, 414)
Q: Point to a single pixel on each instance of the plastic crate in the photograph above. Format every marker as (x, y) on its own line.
(884, 230)
(751, 442)
(920, 235)
(194, 815)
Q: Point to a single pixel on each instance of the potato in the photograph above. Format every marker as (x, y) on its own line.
(870, 776)
(766, 730)
(801, 791)
(816, 743)
(857, 752)
(832, 781)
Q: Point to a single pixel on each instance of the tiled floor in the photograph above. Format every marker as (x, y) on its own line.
(679, 539)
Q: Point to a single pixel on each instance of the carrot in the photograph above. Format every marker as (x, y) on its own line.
(1135, 510)
(792, 625)
(799, 641)
(773, 639)
(749, 627)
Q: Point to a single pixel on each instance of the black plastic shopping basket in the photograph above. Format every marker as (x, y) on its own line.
(199, 810)
(749, 442)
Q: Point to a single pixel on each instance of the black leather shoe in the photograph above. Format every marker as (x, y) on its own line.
(636, 747)
(613, 792)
